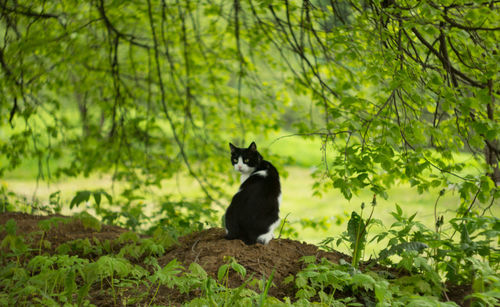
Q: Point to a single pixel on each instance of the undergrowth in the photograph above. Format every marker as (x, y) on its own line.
(418, 267)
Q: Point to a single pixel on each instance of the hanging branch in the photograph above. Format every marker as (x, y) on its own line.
(127, 37)
(241, 63)
(267, 30)
(298, 49)
(9, 75)
(166, 110)
(21, 10)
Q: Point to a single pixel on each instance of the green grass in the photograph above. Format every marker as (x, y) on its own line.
(304, 152)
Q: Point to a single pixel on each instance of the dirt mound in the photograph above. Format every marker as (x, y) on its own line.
(209, 249)
(61, 229)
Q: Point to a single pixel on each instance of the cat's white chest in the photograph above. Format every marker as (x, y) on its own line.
(244, 177)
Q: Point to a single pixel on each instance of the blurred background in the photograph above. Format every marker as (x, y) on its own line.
(125, 110)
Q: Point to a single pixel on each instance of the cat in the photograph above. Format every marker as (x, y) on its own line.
(253, 213)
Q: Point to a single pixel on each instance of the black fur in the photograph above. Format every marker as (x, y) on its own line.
(256, 205)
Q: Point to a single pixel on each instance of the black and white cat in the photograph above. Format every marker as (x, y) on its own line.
(253, 213)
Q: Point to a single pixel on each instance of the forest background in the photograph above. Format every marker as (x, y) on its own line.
(125, 110)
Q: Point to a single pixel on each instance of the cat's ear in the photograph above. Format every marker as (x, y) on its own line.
(252, 147)
(233, 148)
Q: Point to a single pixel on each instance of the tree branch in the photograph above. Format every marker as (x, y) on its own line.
(27, 12)
(166, 110)
(445, 62)
(127, 37)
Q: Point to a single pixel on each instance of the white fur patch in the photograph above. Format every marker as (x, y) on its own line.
(280, 198)
(266, 237)
(243, 178)
(262, 173)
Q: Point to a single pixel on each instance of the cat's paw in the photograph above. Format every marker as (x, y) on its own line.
(265, 238)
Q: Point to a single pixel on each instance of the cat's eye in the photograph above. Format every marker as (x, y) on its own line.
(235, 160)
(246, 160)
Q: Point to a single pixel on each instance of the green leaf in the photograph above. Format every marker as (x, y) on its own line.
(80, 197)
(363, 281)
(354, 227)
(289, 279)
(197, 270)
(399, 248)
(308, 259)
(300, 281)
(382, 292)
(97, 198)
(11, 227)
(239, 268)
(357, 236)
(221, 273)
(268, 284)
(50, 223)
(70, 284)
(88, 221)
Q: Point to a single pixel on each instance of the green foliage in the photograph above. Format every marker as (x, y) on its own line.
(104, 97)
(88, 221)
(127, 270)
(181, 217)
(401, 247)
(486, 284)
(82, 247)
(10, 201)
(395, 92)
(326, 281)
(356, 234)
(53, 222)
(217, 294)
(391, 96)
(84, 196)
(12, 244)
(426, 255)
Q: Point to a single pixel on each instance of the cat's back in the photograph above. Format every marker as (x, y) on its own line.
(264, 180)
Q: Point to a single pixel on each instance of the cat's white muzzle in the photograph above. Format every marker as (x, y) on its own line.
(244, 169)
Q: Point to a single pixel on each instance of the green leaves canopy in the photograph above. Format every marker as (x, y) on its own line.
(160, 86)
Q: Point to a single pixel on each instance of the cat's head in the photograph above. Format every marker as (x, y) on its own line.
(245, 160)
